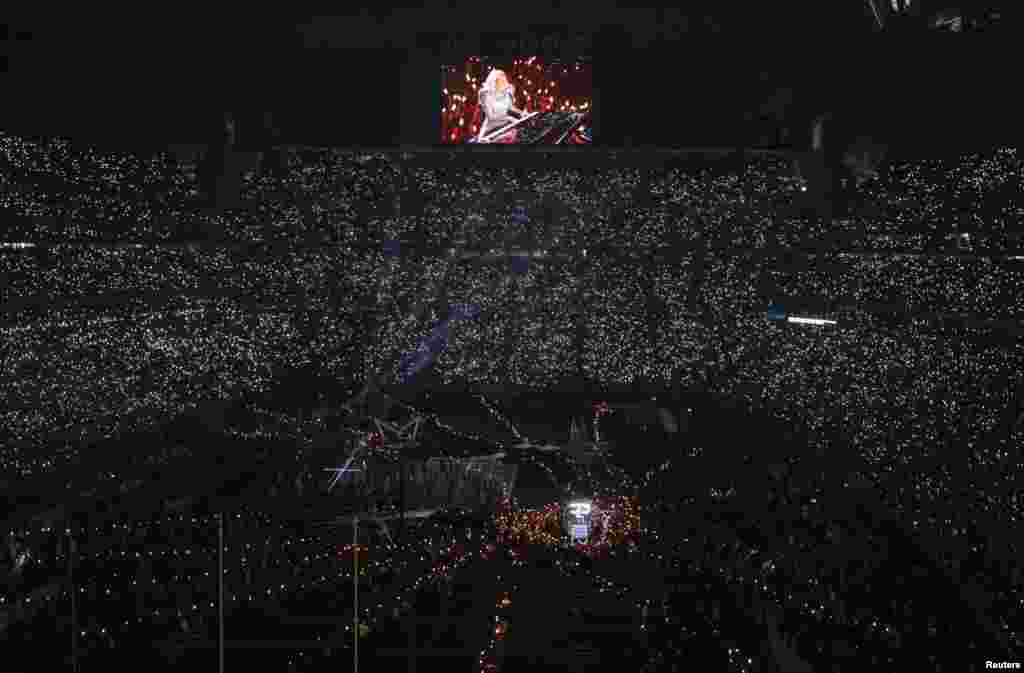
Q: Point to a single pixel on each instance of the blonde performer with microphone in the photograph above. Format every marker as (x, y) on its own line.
(497, 100)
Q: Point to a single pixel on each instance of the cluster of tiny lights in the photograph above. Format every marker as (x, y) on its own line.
(118, 322)
(539, 85)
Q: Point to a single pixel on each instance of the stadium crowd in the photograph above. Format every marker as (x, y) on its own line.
(152, 582)
(135, 306)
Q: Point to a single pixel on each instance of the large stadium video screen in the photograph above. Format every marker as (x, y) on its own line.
(519, 101)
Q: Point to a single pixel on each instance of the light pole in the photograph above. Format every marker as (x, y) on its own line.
(355, 593)
(72, 549)
(220, 591)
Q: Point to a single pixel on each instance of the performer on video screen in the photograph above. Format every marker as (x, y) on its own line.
(497, 100)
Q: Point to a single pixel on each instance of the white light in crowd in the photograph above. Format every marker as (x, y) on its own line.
(810, 321)
(579, 508)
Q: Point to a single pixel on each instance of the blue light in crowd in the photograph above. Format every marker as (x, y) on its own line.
(464, 311)
(426, 351)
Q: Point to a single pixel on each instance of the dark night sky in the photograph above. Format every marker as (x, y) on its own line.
(360, 80)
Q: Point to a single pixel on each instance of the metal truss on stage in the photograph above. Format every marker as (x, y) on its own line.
(399, 434)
